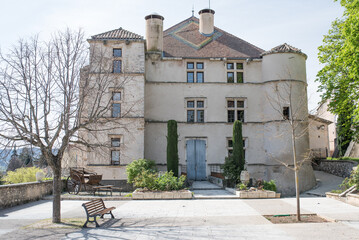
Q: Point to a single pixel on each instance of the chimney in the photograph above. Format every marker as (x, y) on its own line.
(206, 21)
(154, 32)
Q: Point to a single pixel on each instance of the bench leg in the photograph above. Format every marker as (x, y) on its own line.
(112, 215)
(85, 225)
(96, 222)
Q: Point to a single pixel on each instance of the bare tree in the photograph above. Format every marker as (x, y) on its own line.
(289, 100)
(48, 95)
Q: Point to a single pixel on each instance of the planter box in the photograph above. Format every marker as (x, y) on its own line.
(257, 194)
(147, 195)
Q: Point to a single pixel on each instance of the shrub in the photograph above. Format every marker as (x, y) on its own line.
(165, 182)
(271, 186)
(172, 147)
(241, 186)
(231, 170)
(168, 182)
(146, 179)
(139, 166)
(22, 175)
(352, 180)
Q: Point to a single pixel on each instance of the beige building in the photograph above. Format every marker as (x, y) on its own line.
(205, 79)
(319, 136)
(322, 112)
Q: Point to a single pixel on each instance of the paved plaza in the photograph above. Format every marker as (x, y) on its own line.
(189, 219)
(199, 218)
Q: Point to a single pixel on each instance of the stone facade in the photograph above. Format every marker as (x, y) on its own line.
(160, 88)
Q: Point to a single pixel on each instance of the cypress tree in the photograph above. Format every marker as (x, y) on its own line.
(238, 153)
(172, 147)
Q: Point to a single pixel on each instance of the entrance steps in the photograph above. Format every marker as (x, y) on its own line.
(207, 190)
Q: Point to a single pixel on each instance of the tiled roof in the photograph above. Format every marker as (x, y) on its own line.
(185, 40)
(117, 34)
(284, 48)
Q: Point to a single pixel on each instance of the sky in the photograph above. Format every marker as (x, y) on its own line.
(264, 23)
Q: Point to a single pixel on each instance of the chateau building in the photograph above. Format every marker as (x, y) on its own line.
(205, 79)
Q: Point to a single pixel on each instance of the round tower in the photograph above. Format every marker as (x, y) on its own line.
(206, 21)
(154, 32)
(285, 90)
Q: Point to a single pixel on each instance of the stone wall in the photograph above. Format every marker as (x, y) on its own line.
(340, 168)
(16, 194)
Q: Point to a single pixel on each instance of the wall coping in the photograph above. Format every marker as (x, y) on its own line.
(17, 185)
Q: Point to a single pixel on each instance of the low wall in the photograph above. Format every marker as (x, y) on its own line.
(340, 168)
(16, 194)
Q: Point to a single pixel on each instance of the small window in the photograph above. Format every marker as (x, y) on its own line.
(117, 64)
(200, 78)
(286, 113)
(200, 116)
(230, 77)
(115, 142)
(116, 96)
(190, 115)
(117, 52)
(231, 116)
(190, 77)
(190, 104)
(200, 104)
(240, 115)
(190, 65)
(230, 66)
(230, 104)
(115, 157)
(239, 66)
(240, 104)
(199, 65)
(239, 77)
(230, 143)
(116, 110)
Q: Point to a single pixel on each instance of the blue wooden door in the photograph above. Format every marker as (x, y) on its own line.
(196, 160)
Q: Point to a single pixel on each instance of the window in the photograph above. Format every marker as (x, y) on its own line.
(235, 75)
(115, 150)
(230, 146)
(193, 75)
(117, 64)
(235, 110)
(195, 111)
(117, 52)
(286, 113)
(116, 104)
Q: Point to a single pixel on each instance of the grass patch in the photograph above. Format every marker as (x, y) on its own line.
(65, 223)
(336, 191)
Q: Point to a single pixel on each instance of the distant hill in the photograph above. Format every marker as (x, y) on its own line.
(5, 156)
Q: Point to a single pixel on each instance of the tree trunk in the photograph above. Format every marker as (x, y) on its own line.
(296, 170)
(57, 189)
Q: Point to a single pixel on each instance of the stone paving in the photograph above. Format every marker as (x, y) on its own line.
(189, 219)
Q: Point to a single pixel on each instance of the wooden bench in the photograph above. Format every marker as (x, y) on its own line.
(96, 208)
(107, 188)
